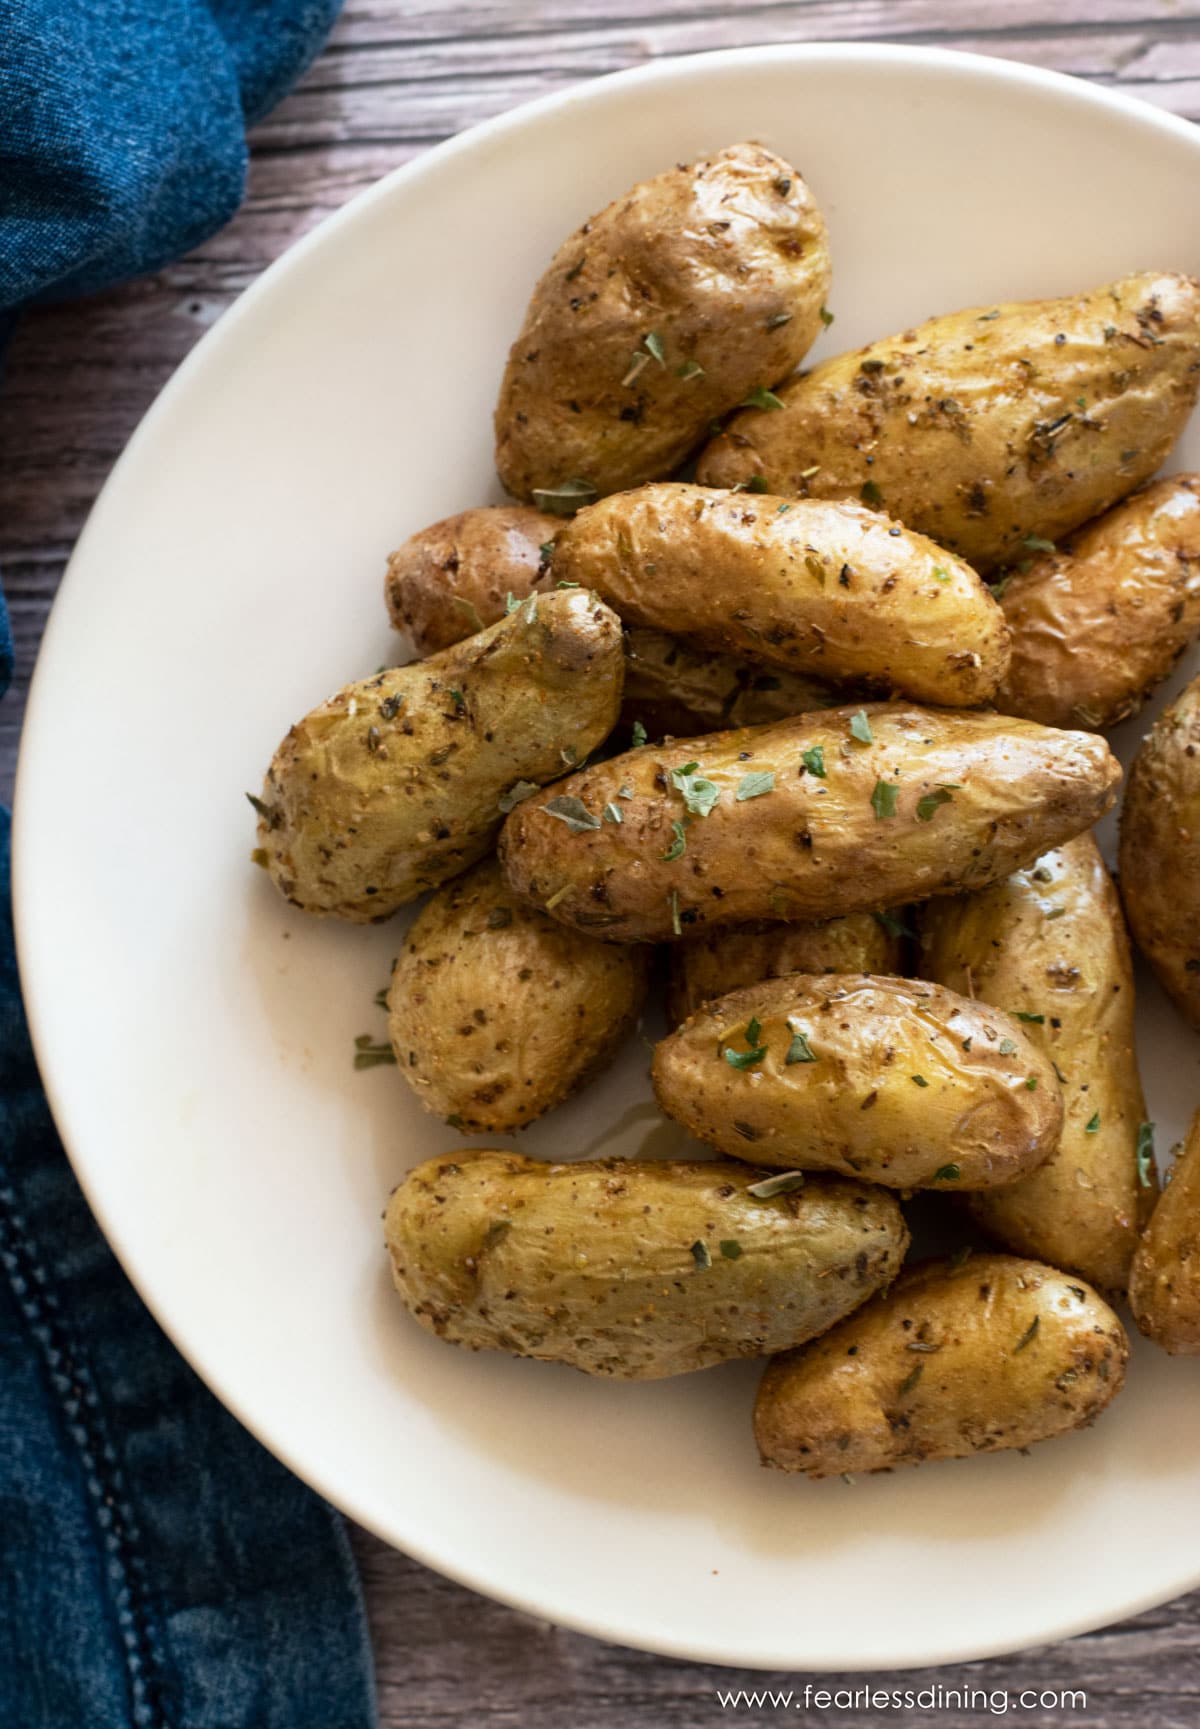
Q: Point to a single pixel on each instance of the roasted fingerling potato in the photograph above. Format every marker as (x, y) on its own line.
(832, 591)
(712, 965)
(633, 1270)
(1048, 944)
(456, 576)
(1099, 622)
(893, 1080)
(1159, 858)
(848, 810)
(955, 1359)
(497, 1013)
(401, 780)
(987, 428)
(674, 688)
(1164, 1280)
(688, 295)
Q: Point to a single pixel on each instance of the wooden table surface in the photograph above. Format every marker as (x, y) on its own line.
(397, 76)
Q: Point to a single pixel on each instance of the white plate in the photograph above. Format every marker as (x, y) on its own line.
(196, 1035)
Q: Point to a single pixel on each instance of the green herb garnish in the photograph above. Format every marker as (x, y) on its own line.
(1094, 1125)
(932, 802)
(1008, 1047)
(369, 1055)
(613, 813)
(637, 734)
(267, 812)
(947, 1174)
(572, 811)
(814, 760)
(1035, 543)
(689, 369)
(1034, 1020)
(799, 1051)
(778, 320)
(516, 793)
(919, 1080)
(783, 1184)
(677, 847)
(870, 494)
(699, 793)
(761, 397)
(701, 1255)
(565, 498)
(754, 785)
(883, 800)
(860, 727)
(1145, 1154)
(826, 317)
(1028, 1335)
(731, 1248)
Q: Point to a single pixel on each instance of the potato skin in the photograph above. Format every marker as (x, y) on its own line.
(454, 577)
(942, 1366)
(593, 1264)
(724, 262)
(496, 1013)
(712, 965)
(811, 848)
(1164, 1280)
(903, 1083)
(1050, 940)
(969, 428)
(831, 590)
(672, 687)
(1097, 625)
(393, 785)
(1159, 861)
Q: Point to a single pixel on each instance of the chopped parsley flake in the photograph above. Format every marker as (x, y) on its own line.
(754, 785)
(883, 800)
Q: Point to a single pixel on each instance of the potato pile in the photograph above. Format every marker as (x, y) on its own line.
(797, 679)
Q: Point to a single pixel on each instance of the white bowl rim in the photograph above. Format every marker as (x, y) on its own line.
(36, 987)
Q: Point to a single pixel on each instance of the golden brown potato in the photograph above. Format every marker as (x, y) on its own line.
(896, 1081)
(633, 1270)
(827, 814)
(401, 780)
(989, 426)
(955, 1359)
(679, 301)
(496, 1013)
(1048, 944)
(454, 578)
(1159, 863)
(1099, 623)
(1164, 1280)
(671, 687)
(721, 961)
(834, 591)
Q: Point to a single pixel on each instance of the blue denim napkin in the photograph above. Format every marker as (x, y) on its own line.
(158, 1568)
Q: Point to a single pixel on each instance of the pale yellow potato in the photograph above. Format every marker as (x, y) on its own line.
(829, 590)
(497, 1013)
(673, 687)
(401, 780)
(975, 797)
(989, 426)
(1164, 1281)
(454, 577)
(709, 966)
(1099, 623)
(682, 297)
(953, 1360)
(1049, 943)
(893, 1080)
(634, 1270)
(1159, 862)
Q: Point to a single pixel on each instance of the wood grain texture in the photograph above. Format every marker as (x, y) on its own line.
(397, 76)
